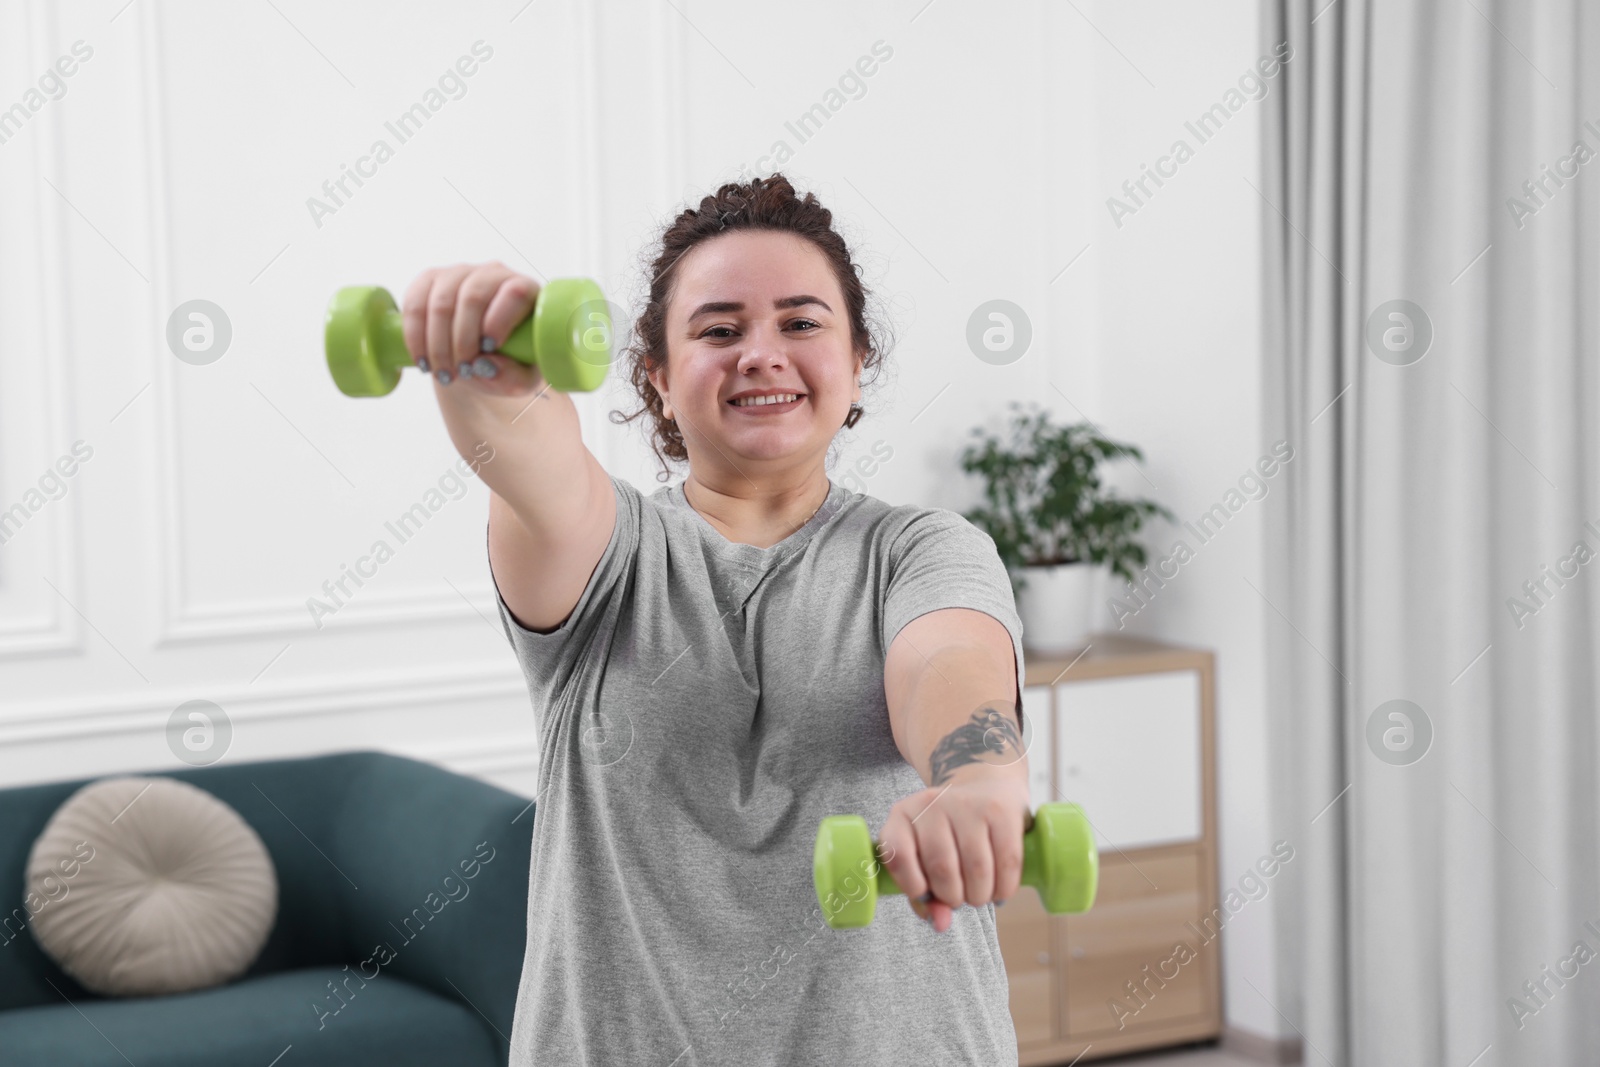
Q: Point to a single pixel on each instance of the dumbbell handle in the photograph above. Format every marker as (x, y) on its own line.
(1032, 864)
(389, 335)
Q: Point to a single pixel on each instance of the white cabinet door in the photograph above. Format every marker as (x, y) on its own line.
(1128, 750)
(1038, 737)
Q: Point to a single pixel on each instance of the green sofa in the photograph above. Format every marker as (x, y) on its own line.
(371, 850)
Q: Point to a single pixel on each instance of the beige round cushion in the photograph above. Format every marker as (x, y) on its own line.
(169, 889)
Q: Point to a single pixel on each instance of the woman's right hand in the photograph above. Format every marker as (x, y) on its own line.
(449, 311)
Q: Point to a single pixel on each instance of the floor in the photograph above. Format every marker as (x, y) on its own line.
(1202, 1057)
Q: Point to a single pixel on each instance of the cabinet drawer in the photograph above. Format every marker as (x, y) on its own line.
(1024, 930)
(1130, 936)
(1128, 749)
(1125, 879)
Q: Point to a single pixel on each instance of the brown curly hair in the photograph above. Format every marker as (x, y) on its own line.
(768, 203)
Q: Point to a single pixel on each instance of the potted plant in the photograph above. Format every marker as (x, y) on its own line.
(1052, 523)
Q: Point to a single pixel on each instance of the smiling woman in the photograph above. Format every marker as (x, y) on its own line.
(719, 665)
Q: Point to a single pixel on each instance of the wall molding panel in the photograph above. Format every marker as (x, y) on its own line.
(45, 555)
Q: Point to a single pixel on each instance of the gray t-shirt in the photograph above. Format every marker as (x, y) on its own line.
(701, 710)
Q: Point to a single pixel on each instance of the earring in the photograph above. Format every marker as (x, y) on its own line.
(856, 411)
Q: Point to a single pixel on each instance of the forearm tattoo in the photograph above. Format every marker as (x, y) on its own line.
(989, 737)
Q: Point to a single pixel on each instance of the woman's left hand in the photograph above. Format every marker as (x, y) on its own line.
(961, 842)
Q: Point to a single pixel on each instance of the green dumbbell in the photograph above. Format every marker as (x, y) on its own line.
(1059, 859)
(567, 336)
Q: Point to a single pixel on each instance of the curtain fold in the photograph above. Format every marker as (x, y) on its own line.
(1430, 172)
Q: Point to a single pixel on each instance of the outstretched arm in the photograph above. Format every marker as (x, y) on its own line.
(950, 682)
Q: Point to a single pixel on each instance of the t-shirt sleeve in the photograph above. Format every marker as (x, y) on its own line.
(941, 560)
(548, 659)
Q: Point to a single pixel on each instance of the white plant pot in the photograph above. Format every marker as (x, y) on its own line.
(1057, 607)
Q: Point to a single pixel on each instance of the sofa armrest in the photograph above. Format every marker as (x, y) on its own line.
(432, 882)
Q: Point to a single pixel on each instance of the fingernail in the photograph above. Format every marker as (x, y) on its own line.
(443, 374)
(999, 903)
(484, 367)
(486, 344)
(464, 370)
(422, 364)
(926, 898)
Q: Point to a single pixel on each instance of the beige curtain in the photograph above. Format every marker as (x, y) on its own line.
(1430, 178)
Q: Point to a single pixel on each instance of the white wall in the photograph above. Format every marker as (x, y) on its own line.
(176, 563)
(1177, 357)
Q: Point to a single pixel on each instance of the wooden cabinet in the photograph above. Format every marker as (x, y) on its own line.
(1126, 730)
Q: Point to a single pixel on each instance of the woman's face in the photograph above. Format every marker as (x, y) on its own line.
(757, 310)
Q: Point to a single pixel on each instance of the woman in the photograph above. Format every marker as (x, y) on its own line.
(716, 666)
